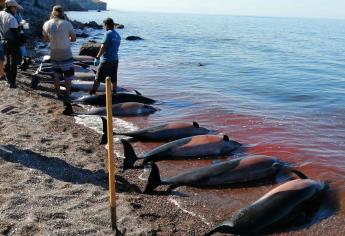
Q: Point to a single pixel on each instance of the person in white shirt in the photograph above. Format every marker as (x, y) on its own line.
(10, 36)
(60, 33)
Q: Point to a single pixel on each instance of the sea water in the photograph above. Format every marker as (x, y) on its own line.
(274, 84)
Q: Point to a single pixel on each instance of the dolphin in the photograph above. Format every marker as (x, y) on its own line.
(185, 148)
(119, 110)
(84, 58)
(280, 206)
(86, 86)
(84, 76)
(79, 75)
(79, 58)
(237, 172)
(170, 132)
(100, 99)
(48, 70)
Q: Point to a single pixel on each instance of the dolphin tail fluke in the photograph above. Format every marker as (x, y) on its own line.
(105, 130)
(68, 109)
(104, 138)
(130, 156)
(299, 174)
(154, 179)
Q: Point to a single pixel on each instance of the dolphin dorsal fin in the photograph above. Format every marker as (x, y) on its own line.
(195, 124)
(226, 138)
(137, 93)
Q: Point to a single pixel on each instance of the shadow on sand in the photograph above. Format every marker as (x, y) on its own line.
(61, 170)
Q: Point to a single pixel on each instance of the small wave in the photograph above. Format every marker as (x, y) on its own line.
(175, 202)
(95, 123)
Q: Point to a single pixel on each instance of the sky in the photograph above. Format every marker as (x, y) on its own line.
(280, 8)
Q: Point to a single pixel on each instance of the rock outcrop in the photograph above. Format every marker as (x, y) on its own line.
(36, 12)
(85, 5)
(134, 38)
(90, 49)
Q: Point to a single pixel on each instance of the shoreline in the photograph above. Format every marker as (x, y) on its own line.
(56, 181)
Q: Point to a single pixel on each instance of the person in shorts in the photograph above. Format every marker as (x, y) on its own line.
(60, 33)
(107, 57)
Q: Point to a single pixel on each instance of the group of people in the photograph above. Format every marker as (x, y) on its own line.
(59, 33)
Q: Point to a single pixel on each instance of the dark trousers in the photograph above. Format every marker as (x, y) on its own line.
(13, 59)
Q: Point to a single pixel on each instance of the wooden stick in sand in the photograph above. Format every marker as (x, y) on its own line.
(111, 163)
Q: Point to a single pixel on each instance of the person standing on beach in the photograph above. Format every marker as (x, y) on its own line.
(2, 49)
(107, 57)
(60, 33)
(10, 36)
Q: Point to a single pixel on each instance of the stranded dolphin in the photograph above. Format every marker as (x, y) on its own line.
(186, 148)
(171, 131)
(279, 206)
(225, 174)
(122, 109)
(117, 98)
(79, 58)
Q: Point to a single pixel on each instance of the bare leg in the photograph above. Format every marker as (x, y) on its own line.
(115, 87)
(95, 87)
(68, 84)
(114, 77)
(57, 84)
(2, 72)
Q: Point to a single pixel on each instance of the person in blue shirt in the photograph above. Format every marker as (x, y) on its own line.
(107, 57)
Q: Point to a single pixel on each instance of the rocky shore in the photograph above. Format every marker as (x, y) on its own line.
(36, 12)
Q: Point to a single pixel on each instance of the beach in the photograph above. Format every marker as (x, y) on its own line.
(55, 182)
(273, 98)
(54, 179)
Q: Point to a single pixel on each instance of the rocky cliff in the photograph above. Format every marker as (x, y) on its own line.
(77, 5)
(36, 12)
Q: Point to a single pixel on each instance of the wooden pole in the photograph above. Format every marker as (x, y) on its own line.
(111, 163)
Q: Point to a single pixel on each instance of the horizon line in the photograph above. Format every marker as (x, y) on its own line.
(225, 14)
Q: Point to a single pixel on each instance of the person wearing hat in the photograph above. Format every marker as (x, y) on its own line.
(10, 36)
(60, 33)
(107, 57)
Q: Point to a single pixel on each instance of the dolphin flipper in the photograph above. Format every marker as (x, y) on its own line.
(299, 174)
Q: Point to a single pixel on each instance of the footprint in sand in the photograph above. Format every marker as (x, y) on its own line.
(8, 110)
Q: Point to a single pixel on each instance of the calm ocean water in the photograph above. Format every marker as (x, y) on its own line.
(275, 84)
